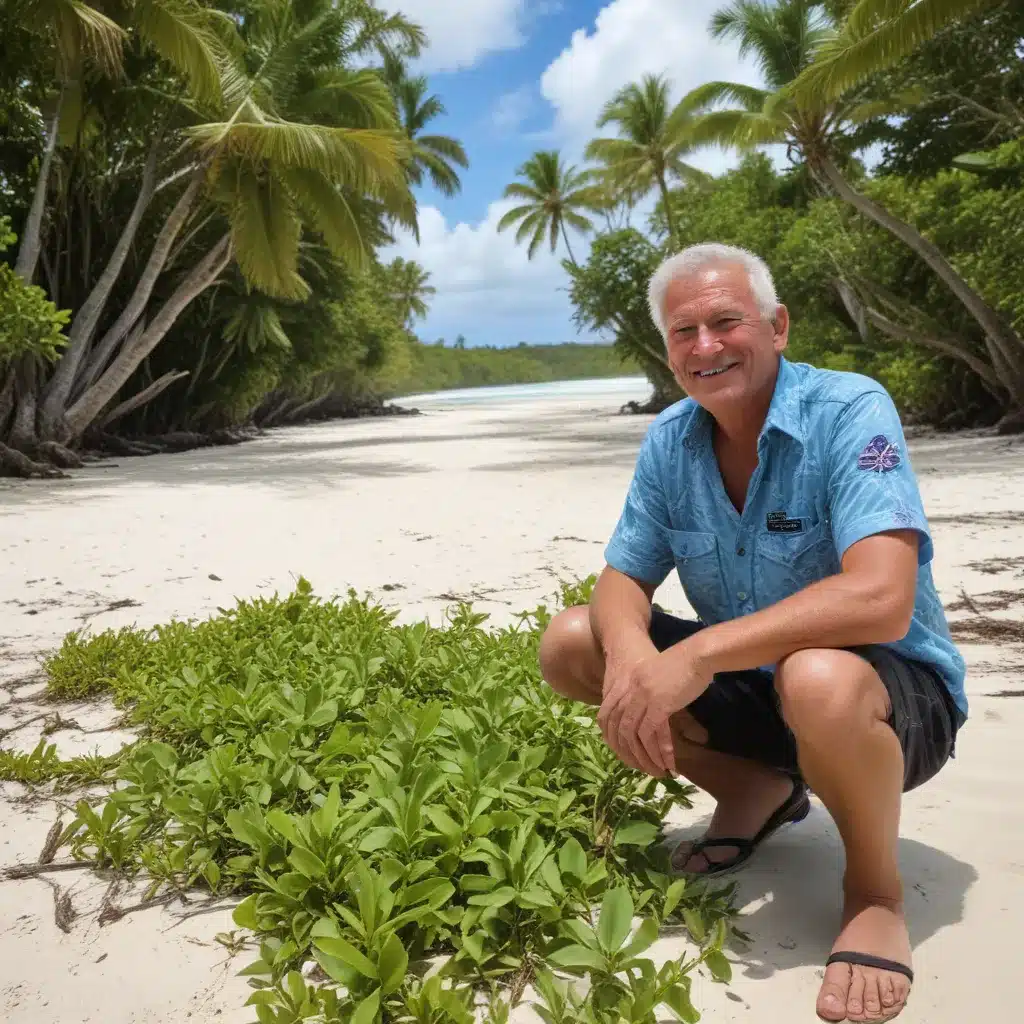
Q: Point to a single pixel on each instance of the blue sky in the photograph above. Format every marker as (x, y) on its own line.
(517, 76)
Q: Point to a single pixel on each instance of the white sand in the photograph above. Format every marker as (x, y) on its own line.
(496, 504)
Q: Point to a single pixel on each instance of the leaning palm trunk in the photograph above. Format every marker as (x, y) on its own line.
(83, 327)
(89, 407)
(31, 237)
(1007, 345)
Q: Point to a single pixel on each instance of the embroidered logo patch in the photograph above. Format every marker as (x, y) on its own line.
(880, 455)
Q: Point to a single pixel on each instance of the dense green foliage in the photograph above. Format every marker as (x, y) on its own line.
(439, 367)
(380, 795)
(29, 322)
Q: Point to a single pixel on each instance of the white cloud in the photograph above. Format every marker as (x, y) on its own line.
(460, 32)
(631, 38)
(512, 109)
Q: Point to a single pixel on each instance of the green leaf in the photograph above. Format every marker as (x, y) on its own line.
(498, 898)
(283, 824)
(616, 918)
(348, 954)
(381, 838)
(673, 895)
(308, 863)
(678, 1001)
(694, 923)
(718, 965)
(636, 833)
(572, 860)
(435, 892)
(443, 821)
(366, 1012)
(244, 915)
(645, 937)
(577, 957)
(392, 965)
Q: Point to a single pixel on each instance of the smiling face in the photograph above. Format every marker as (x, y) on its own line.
(723, 351)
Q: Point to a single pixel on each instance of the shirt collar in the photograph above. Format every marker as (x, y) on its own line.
(784, 412)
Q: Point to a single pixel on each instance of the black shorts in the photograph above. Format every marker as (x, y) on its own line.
(742, 714)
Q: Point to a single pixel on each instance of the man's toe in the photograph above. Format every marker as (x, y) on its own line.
(834, 992)
(855, 1000)
(872, 1005)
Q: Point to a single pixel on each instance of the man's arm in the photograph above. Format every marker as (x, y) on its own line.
(620, 615)
(870, 601)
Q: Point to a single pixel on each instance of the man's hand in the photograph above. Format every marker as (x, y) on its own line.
(639, 696)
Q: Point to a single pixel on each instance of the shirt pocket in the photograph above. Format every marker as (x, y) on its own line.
(700, 571)
(789, 562)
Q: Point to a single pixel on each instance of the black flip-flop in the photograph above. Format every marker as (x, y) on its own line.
(796, 807)
(869, 960)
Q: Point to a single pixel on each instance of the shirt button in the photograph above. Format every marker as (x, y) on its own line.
(741, 551)
(742, 595)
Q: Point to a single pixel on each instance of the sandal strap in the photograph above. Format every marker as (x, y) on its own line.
(743, 845)
(868, 960)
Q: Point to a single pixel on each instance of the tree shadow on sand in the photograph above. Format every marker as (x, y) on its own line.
(790, 894)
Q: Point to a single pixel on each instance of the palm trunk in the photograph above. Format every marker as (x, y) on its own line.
(565, 238)
(669, 216)
(58, 390)
(31, 236)
(146, 395)
(144, 289)
(1010, 346)
(86, 410)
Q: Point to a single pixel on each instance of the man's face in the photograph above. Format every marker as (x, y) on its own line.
(722, 351)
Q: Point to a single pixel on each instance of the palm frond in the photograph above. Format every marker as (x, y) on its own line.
(517, 213)
(345, 97)
(182, 34)
(444, 146)
(891, 107)
(442, 175)
(876, 36)
(737, 129)
(82, 31)
(265, 231)
(361, 158)
(326, 210)
(747, 97)
(584, 225)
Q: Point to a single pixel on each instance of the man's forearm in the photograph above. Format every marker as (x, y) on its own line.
(843, 610)
(620, 615)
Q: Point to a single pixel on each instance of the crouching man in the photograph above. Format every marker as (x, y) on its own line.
(821, 660)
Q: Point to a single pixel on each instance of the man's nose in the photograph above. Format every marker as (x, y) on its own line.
(706, 343)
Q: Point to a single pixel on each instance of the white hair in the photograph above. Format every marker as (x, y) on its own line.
(691, 259)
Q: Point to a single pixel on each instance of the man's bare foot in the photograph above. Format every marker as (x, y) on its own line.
(742, 817)
(858, 993)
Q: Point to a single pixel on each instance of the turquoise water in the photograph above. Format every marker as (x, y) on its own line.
(611, 389)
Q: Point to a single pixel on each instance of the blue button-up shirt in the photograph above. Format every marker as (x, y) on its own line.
(832, 469)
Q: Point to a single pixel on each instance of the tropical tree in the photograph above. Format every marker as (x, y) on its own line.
(555, 196)
(875, 35)
(433, 156)
(785, 38)
(652, 144)
(79, 37)
(301, 141)
(406, 284)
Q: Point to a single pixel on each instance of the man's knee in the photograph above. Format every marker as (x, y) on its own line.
(822, 689)
(569, 656)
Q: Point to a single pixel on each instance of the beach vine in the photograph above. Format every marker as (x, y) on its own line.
(412, 825)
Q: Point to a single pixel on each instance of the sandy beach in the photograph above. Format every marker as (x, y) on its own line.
(494, 503)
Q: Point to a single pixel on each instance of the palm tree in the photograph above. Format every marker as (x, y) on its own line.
(283, 158)
(408, 285)
(554, 196)
(875, 35)
(651, 146)
(179, 31)
(785, 38)
(433, 155)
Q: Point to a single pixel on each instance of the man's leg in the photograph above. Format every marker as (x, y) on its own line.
(747, 792)
(840, 711)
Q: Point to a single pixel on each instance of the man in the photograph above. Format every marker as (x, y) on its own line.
(784, 498)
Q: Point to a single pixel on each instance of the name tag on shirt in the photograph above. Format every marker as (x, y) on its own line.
(779, 522)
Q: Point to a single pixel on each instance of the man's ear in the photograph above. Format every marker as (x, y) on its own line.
(781, 339)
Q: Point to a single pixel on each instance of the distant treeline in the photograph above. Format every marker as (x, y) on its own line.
(438, 367)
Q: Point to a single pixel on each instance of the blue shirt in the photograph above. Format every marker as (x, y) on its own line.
(832, 469)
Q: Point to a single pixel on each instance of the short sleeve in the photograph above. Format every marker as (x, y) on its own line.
(639, 545)
(871, 485)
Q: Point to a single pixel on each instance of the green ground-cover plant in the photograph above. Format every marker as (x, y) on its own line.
(406, 805)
